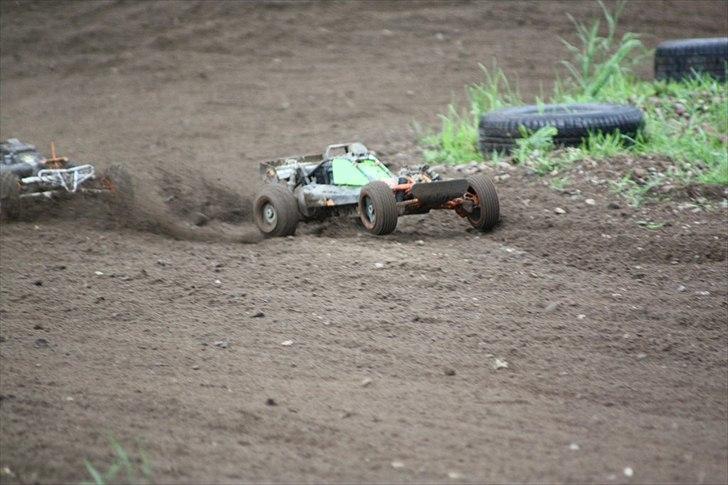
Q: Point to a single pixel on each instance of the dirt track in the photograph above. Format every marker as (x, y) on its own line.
(615, 335)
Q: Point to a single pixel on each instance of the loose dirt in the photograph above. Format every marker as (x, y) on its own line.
(612, 320)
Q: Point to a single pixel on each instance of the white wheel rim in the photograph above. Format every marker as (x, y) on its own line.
(270, 216)
(369, 207)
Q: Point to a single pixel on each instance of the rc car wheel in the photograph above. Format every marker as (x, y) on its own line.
(9, 195)
(276, 211)
(486, 213)
(682, 58)
(378, 208)
(499, 130)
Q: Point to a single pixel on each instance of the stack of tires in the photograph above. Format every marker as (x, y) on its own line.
(676, 60)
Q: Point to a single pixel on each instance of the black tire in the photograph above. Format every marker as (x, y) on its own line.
(500, 129)
(378, 208)
(9, 195)
(276, 211)
(487, 213)
(682, 58)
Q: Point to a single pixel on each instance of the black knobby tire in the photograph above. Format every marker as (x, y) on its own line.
(9, 195)
(378, 208)
(682, 58)
(276, 211)
(487, 213)
(499, 130)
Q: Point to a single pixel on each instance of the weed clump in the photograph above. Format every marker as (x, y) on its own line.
(686, 122)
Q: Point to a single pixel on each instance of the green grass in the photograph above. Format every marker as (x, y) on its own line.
(560, 183)
(686, 123)
(124, 468)
(457, 141)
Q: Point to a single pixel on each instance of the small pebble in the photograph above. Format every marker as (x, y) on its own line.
(397, 464)
(366, 382)
(590, 202)
(41, 343)
(379, 265)
(500, 364)
(639, 173)
(551, 307)
(271, 402)
(628, 472)
(574, 446)
(199, 219)
(287, 343)
(420, 242)
(559, 210)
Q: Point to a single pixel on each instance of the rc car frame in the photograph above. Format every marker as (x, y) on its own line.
(348, 178)
(26, 174)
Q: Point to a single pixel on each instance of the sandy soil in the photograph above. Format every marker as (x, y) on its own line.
(614, 334)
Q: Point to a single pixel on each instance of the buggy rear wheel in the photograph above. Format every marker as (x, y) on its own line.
(486, 213)
(276, 211)
(378, 208)
(9, 195)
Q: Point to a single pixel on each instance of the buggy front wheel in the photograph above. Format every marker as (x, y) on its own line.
(276, 211)
(378, 208)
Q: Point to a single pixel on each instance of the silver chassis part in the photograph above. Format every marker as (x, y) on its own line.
(48, 194)
(314, 196)
(58, 180)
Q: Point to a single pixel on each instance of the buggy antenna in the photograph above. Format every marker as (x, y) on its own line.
(55, 161)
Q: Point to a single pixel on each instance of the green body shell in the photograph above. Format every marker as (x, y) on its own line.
(359, 173)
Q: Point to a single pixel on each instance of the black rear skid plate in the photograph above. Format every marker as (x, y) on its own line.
(437, 193)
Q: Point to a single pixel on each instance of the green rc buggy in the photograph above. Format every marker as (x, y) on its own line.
(348, 178)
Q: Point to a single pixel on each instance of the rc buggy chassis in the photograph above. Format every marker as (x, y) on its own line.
(25, 173)
(349, 178)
